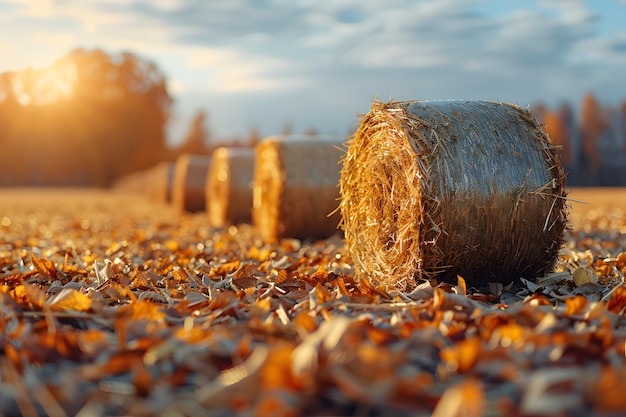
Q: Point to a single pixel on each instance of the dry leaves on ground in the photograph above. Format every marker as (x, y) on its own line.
(121, 309)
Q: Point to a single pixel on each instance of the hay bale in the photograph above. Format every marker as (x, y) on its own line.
(432, 190)
(229, 186)
(161, 180)
(189, 182)
(295, 187)
(136, 182)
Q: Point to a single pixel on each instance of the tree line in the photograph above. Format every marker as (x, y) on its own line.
(592, 141)
(92, 117)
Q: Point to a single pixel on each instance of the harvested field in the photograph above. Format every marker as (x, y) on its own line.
(113, 305)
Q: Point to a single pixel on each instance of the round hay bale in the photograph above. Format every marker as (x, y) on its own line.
(229, 186)
(432, 190)
(161, 179)
(296, 187)
(189, 182)
(136, 182)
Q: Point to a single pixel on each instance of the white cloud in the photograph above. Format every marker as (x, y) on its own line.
(603, 51)
(350, 50)
(36, 8)
(230, 71)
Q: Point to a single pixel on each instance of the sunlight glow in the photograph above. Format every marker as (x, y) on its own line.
(55, 83)
(45, 86)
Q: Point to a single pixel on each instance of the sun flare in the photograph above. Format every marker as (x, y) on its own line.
(45, 86)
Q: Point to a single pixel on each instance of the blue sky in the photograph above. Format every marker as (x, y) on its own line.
(318, 63)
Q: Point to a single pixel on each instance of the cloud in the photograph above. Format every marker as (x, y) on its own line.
(230, 71)
(305, 36)
(339, 52)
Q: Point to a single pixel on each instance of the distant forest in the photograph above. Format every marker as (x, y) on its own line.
(93, 117)
(593, 142)
(87, 120)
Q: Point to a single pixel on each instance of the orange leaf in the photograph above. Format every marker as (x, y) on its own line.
(118, 363)
(93, 342)
(465, 399)
(34, 294)
(461, 288)
(509, 334)
(276, 372)
(70, 299)
(607, 390)
(575, 305)
(45, 267)
(621, 260)
(461, 356)
(320, 276)
(322, 294)
(143, 310)
(366, 288)
(617, 302)
(304, 320)
(341, 285)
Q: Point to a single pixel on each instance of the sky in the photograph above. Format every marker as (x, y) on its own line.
(318, 64)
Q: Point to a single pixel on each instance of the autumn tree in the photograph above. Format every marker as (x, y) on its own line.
(85, 120)
(556, 128)
(196, 139)
(623, 132)
(592, 123)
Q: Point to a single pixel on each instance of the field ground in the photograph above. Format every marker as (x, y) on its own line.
(113, 305)
(94, 201)
(590, 199)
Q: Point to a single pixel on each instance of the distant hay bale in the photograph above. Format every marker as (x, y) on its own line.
(296, 187)
(134, 183)
(189, 182)
(229, 186)
(432, 190)
(161, 179)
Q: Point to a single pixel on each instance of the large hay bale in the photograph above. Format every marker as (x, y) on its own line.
(189, 182)
(229, 186)
(296, 187)
(432, 190)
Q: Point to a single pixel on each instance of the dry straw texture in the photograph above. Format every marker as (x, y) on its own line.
(432, 190)
(295, 187)
(189, 182)
(229, 186)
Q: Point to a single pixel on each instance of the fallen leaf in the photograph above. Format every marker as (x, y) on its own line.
(34, 294)
(466, 399)
(45, 267)
(70, 299)
(582, 276)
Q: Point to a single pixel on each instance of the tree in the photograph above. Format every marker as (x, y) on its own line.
(556, 128)
(196, 140)
(85, 120)
(623, 110)
(592, 124)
